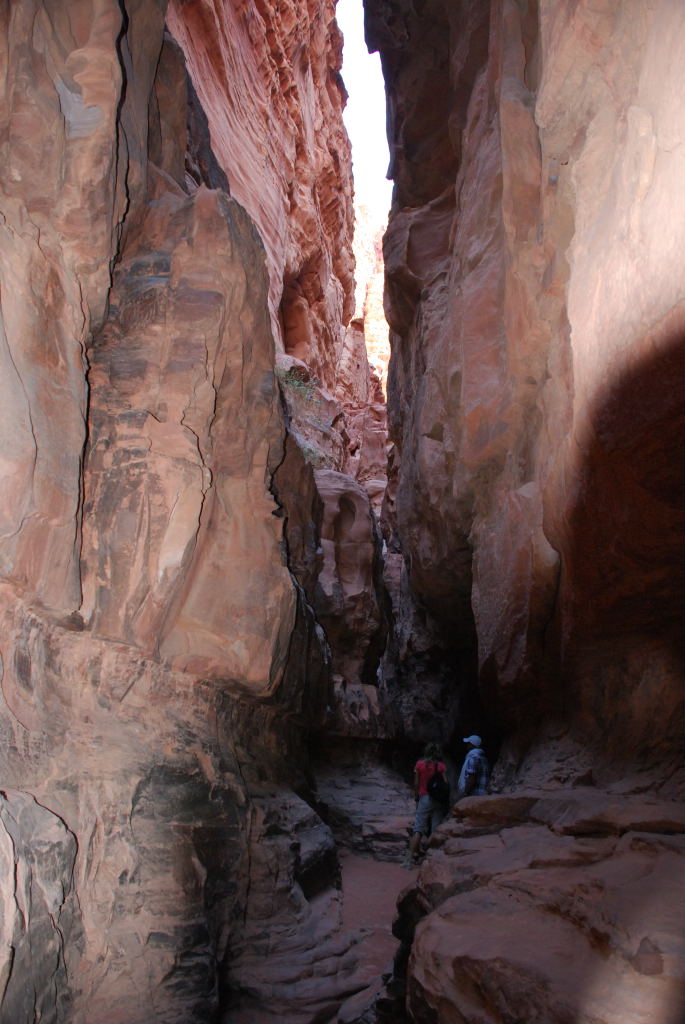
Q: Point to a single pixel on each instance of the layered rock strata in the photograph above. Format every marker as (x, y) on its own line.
(535, 397)
(367, 805)
(281, 142)
(268, 77)
(161, 666)
(554, 906)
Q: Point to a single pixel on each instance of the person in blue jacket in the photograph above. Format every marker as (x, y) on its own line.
(475, 773)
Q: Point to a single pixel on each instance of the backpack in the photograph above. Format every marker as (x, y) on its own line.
(438, 788)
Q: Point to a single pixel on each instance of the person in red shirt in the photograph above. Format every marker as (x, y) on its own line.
(429, 813)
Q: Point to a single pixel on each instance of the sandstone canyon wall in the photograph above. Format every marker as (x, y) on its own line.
(535, 516)
(535, 395)
(176, 219)
(191, 585)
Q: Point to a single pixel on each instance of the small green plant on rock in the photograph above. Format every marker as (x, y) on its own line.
(296, 385)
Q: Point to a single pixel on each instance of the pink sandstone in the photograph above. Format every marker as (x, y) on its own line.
(160, 666)
(191, 585)
(533, 490)
(536, 405)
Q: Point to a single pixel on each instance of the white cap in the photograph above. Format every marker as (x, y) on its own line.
(475, 741)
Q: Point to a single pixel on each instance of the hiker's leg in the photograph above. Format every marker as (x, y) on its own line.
(438, 814)
(421, 825)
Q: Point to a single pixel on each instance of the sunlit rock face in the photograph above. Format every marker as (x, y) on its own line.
(268, 77)
(536, 402)
(277, 132)
(366, 455)
(370, 280)
(161, 663)
(184, 431)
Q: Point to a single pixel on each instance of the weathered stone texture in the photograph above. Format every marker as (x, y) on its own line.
(159, 663)
(39, 913)
(536, 317)
(185, 434)
(277, 131)
(536, 402)
(366, 455)
(63, 178)
(366, 803)
(268, 77)
(269, 82)
(555, 906)
(139, 826)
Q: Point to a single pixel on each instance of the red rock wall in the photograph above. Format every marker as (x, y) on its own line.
(269, 81)
(536, 318)
(161, 668)
(268, 77)
(536, 404)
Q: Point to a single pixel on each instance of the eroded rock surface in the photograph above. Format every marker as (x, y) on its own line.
(551, 906)
(161, 667)
(533, 510)
(368, 805)
(533, 494)
(268, 77)
(40, 914)
(184, 434)
(190, 566)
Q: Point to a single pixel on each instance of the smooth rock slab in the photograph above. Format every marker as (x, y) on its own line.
(544, 923)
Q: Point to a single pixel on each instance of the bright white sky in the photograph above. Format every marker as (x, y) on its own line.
(364, 114)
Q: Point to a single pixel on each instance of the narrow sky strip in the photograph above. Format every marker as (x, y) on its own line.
(364, 114)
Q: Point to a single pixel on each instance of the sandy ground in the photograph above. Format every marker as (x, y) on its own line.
(370, 892)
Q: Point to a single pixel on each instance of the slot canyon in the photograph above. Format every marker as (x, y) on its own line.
(240, 592)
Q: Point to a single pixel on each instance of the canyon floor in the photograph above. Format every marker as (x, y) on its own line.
(370, 892)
